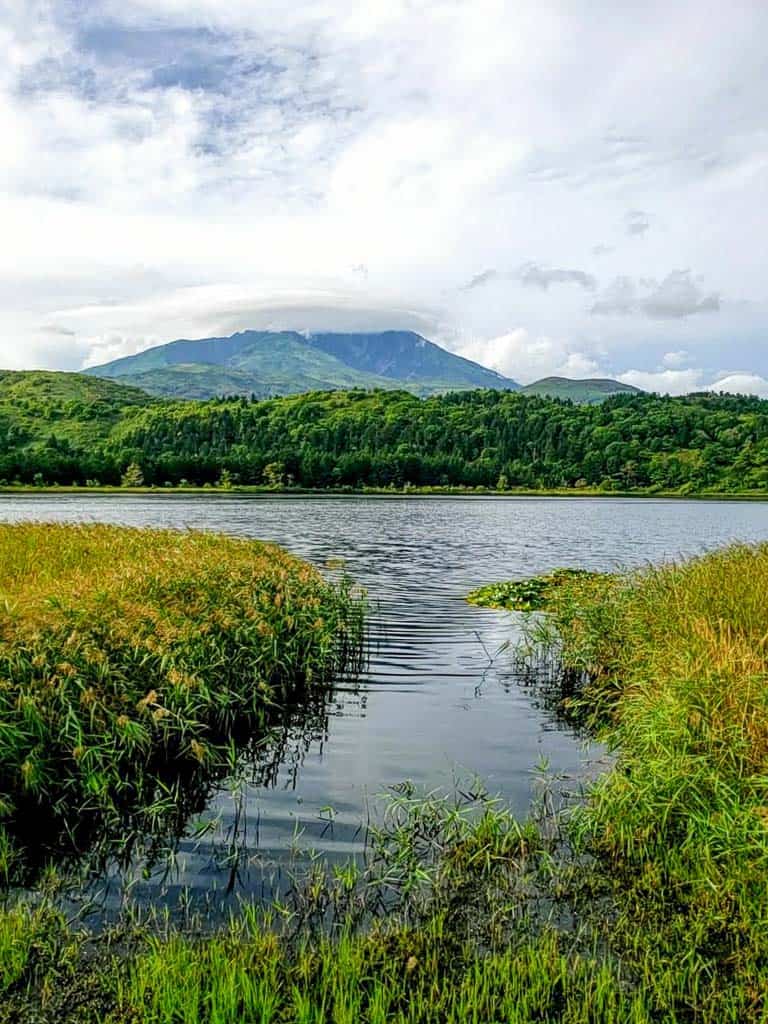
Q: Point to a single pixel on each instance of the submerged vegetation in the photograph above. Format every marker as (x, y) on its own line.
(130, 659)
(643, 902)
(64, 429)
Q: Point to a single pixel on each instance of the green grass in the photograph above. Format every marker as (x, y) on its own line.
(128, 659)
(677, 663)
(407, 491)
(453, 941)
(643, 903)
(249, 975)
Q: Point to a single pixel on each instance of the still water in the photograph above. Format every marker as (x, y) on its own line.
(429, 708)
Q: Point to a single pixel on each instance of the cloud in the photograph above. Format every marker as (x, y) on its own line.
(260, 150)
(64, 332)
(533, 275)
(683, 382)
(483, 278)
(516, 354)
(676, 296)
(675, 360)
(667, 382)
(636, 222)
(742, 384)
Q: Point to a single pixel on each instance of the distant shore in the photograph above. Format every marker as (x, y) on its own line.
(384, 492)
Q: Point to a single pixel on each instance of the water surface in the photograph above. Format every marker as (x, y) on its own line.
(430, 707)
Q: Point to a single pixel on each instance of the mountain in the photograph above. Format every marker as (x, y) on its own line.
(582, 392)
(405, 356)
(267, 363)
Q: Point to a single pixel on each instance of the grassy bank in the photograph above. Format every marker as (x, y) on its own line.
(129, 660)
(644, 903)
(674, 664)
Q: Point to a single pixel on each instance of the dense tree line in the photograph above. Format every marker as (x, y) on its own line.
(393, 439)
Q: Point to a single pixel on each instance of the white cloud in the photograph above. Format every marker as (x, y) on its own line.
(636, 222)
(260, 150)
(533, 275)
(677, 295)
(666, 382)
(683, 382)
(675, 360)
(516, 354)
(742, 384)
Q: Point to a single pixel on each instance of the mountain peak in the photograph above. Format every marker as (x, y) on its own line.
(267, 363)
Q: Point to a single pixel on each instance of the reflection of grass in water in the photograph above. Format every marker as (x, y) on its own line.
(537, 665)
(131, 660)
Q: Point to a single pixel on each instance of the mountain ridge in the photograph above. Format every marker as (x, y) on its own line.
(271, 363)
(268, 364)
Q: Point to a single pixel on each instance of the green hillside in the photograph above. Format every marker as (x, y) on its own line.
(268, 363)
(579, 391)
(65, 410)
(202, 380)
(65, 428)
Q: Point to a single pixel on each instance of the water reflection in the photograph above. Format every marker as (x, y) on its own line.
(140, 836)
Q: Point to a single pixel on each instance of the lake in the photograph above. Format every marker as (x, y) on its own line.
(431, 707)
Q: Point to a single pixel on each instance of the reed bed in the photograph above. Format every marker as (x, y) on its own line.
(129, 657)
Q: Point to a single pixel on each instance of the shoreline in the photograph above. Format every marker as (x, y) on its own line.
(413, 492)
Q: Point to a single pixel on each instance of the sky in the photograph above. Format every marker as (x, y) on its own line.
(575, 188)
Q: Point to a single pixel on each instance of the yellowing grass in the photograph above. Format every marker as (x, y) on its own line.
(124, 652)
(685, 646)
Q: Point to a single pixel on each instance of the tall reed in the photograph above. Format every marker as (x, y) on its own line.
(128, 657)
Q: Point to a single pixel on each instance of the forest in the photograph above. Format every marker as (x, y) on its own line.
(64, 429)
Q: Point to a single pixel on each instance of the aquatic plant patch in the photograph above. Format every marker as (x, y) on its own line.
(530, 594)
(129, 657)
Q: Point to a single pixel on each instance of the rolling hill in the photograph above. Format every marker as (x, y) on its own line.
(63, 410)
(267, 363)
(582, 392)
